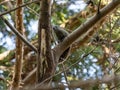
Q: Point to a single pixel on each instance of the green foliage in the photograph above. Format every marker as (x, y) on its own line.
(83, 63)
(59, 15)
(2, 49)
(3, 85)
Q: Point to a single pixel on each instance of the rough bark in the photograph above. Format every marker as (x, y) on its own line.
(45, 66)
(19, 48)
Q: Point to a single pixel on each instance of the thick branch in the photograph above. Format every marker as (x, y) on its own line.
(85, 27)
(83, 84)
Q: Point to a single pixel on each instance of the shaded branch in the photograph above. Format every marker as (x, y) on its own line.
(99, 6)
(19, 35)
(85, 84)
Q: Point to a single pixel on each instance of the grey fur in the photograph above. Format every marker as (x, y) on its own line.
(61, 34)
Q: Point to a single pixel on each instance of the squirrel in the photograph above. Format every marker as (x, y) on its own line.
(60, 34)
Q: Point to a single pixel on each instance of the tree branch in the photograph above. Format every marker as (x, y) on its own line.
(23, 5)
(19, 48)
(83, 84)
(85, 27)
(18, 34)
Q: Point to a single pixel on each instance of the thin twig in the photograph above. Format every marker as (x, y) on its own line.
(65, 75)
(32, 11)
(23, 5)
(98, 11)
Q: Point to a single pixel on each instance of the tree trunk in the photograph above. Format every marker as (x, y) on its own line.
(45, 61)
